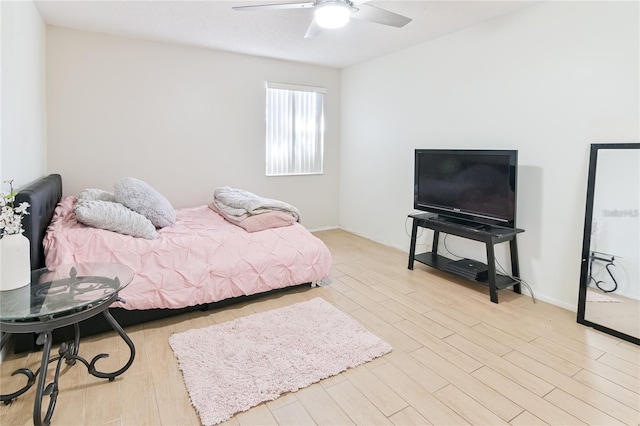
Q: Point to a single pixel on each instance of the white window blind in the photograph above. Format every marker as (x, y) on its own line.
(295, 129)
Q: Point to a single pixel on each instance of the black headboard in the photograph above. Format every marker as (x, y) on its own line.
(43, 196)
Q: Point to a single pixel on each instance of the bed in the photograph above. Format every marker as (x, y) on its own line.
(199, 262)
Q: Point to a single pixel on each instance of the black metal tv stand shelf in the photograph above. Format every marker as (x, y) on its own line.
(470, 269)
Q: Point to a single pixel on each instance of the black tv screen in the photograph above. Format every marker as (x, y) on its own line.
(477, 186)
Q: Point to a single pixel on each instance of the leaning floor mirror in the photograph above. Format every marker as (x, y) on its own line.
(609, 298)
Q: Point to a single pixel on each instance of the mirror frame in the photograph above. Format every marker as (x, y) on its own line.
(586, 241)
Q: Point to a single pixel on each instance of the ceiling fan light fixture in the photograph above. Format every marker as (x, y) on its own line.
(332, 14)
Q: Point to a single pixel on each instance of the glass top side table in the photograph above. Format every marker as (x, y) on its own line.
(57, 297)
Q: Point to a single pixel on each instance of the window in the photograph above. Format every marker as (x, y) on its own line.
(295, 129)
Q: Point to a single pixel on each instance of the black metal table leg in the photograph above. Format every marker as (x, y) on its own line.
(412, 248)
(515, 265)
(31, 379)
(434, 244)
(132, 351)
(127, 340)
(51, 390)
(491, 264)
(69, 352)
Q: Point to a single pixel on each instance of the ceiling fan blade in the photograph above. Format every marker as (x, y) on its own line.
(381, 16)
(277, 6)
(313, 30)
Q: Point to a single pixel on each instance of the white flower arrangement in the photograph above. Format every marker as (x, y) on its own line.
(10, 215)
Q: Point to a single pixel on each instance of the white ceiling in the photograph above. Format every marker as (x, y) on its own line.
(273, 33)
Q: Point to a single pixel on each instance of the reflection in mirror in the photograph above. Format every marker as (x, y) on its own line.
(609, 297)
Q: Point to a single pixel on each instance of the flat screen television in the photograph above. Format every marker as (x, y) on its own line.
(470, 186)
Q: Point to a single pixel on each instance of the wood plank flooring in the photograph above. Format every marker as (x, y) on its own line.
(457, 359)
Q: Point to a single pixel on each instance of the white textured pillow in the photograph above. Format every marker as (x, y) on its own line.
(97, 195)
(140, 197)
(114, 217)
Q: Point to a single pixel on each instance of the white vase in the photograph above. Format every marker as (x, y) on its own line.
(15, 262)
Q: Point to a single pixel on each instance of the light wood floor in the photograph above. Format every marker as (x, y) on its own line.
(457, 359)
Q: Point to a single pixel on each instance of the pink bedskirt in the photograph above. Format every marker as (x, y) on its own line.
(200, 259)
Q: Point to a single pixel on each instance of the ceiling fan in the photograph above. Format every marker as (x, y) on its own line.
(336, 13)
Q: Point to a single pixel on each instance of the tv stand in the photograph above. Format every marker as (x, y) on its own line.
(470, 269)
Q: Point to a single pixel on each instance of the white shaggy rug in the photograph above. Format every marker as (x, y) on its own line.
(231, 367)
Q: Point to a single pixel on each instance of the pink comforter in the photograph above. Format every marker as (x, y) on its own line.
(200, 259)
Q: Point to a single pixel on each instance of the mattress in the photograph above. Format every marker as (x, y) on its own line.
(200, 259)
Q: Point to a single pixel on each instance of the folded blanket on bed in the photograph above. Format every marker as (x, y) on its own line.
(258, 222)
(240, 204)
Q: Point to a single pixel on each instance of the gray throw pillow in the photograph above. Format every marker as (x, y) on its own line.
(114, 217)
(140, 197)
(97, 195)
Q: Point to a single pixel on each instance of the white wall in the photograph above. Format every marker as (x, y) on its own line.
(23, 144)
(548, 81)
(184, 119)
(23, 124)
